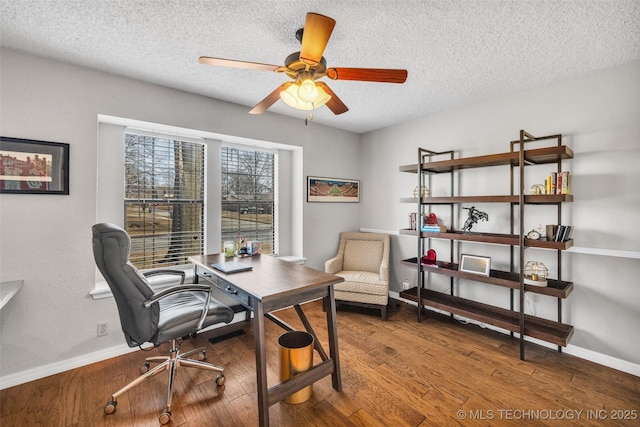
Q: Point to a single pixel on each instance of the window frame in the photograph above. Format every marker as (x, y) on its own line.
(109, 171)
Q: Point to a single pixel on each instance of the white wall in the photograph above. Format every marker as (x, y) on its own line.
(599, 116)
(46, 240)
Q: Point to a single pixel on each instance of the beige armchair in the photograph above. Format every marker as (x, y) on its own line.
(363, 262)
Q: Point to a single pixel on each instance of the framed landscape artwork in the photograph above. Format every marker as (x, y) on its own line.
(33, 167)
(332, 190)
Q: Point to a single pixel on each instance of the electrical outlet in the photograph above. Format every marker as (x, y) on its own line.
(103, 329)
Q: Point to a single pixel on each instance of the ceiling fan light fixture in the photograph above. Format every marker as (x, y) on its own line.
(307, 91)
(291, 96)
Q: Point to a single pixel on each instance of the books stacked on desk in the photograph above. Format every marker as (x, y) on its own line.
(558, 183)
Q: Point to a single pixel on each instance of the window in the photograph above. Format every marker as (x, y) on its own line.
(248, 196)
(164, 200)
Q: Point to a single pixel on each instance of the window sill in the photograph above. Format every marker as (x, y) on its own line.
(293, 258)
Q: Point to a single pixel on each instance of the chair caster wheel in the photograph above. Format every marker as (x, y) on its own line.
(165, 417)
(201, 356)
(110, 407)
(144, 368)
(220, 380)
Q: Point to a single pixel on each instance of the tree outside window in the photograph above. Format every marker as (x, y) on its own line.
(248, 196)
(164, 200)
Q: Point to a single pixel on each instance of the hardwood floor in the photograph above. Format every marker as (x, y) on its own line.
(394, 373)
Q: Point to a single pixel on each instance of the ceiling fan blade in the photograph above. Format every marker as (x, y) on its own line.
(317, 30)
(270, 99)
(382, 75)
(335, 104)
(220, 62)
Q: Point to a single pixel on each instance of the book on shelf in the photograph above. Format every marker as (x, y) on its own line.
(412, 220)
(433, 229)
(552, 181)
(566, 183)
(563, 233)
(558, 183)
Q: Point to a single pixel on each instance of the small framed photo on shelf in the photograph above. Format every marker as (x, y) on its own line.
(475, 264)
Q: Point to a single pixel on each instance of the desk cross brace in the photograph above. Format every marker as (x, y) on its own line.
(316, 344)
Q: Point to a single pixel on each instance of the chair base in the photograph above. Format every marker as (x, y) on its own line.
(170, 363)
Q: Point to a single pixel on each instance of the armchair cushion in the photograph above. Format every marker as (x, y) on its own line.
(362, 282)
(363, 255)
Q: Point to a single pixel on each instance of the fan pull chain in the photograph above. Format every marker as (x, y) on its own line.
(310, 118)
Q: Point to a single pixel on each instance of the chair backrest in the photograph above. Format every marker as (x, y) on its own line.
(129, 287)
(365, 252)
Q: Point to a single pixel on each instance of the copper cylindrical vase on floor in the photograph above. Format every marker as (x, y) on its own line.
(296, 356)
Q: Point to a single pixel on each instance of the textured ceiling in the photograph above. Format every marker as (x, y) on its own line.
(456, 52)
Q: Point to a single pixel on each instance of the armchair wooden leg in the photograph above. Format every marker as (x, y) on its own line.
(384, 312)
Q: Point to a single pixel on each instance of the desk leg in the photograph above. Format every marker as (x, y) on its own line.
(261, 364)
(332, 330)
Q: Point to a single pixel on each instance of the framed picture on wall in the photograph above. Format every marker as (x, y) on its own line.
(475, 264)
(33, 167)
(336, 190)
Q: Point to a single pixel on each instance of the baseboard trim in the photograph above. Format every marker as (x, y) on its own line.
(83, 360)
(582, 353)
(62, 366)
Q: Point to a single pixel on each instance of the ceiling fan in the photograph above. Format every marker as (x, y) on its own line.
(305, 92)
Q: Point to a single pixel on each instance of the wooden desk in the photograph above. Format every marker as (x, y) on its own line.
(271, 285)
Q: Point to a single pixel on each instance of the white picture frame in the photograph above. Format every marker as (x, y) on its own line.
(475, 264)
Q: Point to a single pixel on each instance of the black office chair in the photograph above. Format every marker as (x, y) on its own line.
(155, 318)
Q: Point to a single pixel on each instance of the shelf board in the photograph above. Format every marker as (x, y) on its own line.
(498, 239)
(547, 199)
(461, 199)
(537, 199)
(536, 327)
(554, 288)
(547, 244)
(536, 156)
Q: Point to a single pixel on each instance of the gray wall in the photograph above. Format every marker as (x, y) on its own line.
(599, 116)
(46, 240)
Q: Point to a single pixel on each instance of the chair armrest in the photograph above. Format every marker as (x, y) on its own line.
(333, 265)
(384, 273)
(174, 290)
(159, 272)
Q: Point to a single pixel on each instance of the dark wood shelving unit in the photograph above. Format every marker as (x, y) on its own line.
(538, 199)
(507, 279)
(494, 238)
(538, 156)
(536, 327)
(513, 320)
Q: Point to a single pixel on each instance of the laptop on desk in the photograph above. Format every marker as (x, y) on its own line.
(230, 267)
